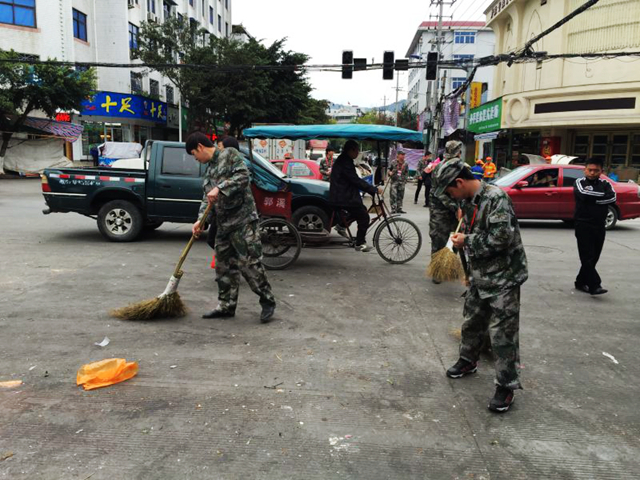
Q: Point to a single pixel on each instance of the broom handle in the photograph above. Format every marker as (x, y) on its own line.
(178, 272)
(459, 225)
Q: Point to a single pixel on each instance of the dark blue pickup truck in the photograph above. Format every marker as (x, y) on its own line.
(167, 188)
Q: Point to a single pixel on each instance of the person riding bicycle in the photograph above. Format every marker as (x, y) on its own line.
(344, 191)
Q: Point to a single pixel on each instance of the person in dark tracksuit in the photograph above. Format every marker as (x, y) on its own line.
(593, 196)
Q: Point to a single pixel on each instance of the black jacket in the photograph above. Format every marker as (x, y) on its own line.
(344, 190)
(592, 201)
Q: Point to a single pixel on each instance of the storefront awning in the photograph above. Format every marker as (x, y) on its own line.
(68, 131)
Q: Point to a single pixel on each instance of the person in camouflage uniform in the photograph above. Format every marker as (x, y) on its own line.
(326, 164)
(497, 267)
(398, 176)
(238, 247)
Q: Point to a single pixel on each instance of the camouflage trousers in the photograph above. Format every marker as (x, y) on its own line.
(500, 316)
(396, 196)
(442, 223)
(239, 253)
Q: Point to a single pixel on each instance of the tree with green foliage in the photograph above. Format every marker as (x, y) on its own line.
(219, 91)
(28, 88)
(315, 112)
(373, 117)
(407, 119)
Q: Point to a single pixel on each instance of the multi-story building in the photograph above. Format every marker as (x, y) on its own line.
(585, 107)
(344, 113)
(131, 104)
(462, 40)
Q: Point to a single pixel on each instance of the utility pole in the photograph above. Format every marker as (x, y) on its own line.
(398, 89)
(467, 107)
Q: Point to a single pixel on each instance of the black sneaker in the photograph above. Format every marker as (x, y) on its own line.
(582, 288)
(267, 313)
(598, 291)
(502, 400)
(462, 368)
(219, 313)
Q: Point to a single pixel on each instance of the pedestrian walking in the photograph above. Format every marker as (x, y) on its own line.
(489, 169)
(478, 169)
(237, 243)
(398, 176)
(593, 197)
(326, 164)
(344, 192)
(421, 174)
(497, 267)
(442, 208)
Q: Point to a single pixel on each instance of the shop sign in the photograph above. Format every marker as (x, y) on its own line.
(476, 95)
(172, 117)
(119, 105)
(63, 117)
(486, 118)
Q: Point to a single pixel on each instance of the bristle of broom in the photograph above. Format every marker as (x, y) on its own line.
(445, 266)
(164, 306)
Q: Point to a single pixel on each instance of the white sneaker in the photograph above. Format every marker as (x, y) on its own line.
(363, 248)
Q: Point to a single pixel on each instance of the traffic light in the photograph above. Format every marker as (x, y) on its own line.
(347, 64)
(432, 65)
(387, 65)
(359, 64)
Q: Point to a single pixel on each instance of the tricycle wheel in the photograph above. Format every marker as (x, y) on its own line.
(120, 221)
(281, 243)
(397, 240)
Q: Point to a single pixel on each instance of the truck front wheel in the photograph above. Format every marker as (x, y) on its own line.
(120, 221)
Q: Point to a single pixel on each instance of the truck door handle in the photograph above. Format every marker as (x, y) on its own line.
(550, 194)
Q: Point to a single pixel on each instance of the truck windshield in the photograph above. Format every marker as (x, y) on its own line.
(263, 162)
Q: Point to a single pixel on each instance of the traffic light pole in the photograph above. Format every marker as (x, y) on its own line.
(434, 101)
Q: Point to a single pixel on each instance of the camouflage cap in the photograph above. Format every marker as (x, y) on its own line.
(445, 173)
(452, 149)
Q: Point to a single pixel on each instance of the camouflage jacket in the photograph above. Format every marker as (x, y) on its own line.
(495, 254)
(398, 177)
(420, 168)
(325, 166)
(235, 206)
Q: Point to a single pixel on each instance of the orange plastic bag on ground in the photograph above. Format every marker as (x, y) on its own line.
(105, 373)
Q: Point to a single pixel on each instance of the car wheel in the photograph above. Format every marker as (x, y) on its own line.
(120, 221)
(310, 219)
(612, 218)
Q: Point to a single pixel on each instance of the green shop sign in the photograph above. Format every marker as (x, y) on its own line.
(486, 118)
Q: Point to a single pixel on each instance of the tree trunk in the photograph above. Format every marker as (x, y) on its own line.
(3, 150)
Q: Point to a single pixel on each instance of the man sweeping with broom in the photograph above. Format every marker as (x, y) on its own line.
(497, 266)
(238, 247)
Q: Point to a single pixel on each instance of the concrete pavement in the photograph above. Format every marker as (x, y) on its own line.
(347, 382)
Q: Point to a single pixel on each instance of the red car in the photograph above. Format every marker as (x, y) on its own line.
(299, 168)
(546, 192)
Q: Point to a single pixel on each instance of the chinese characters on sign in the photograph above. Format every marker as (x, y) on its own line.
(280, 203)
(486, 118)
(111, 104)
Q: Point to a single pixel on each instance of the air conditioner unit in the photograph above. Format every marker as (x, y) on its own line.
(152, 17)
(131, 3)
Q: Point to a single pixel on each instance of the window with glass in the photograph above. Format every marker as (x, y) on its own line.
(169, 94)
(18, 12)
(619, 150)
(175, 161)
(211, 15)
(547, 178)
(219, 23)
(226, 4)
(151, 6)
(599, 147)
(298, 169)
(136, 82)
(133, 36)
(581, 146)
(635, 151)
(570, 175)
(79, 25)
(154, 88)
(166, 10)
(457, 82)
(191, 2)
(464, 37)
(226, 28)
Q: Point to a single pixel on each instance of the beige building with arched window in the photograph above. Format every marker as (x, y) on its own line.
(578, 106)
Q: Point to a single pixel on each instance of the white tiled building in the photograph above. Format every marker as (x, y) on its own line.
(105, 31)
(462, 40)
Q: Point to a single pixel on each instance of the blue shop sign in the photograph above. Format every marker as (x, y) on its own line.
(120, 105)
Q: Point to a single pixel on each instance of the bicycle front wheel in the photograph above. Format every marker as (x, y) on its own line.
(397, 240)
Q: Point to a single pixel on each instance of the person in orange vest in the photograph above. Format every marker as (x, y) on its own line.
(489, 169)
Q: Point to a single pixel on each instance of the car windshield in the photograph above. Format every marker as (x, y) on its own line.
(511, 177)
(263, 162)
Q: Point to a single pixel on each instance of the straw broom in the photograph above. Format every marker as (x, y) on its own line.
(168, 304)
(445, 265)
